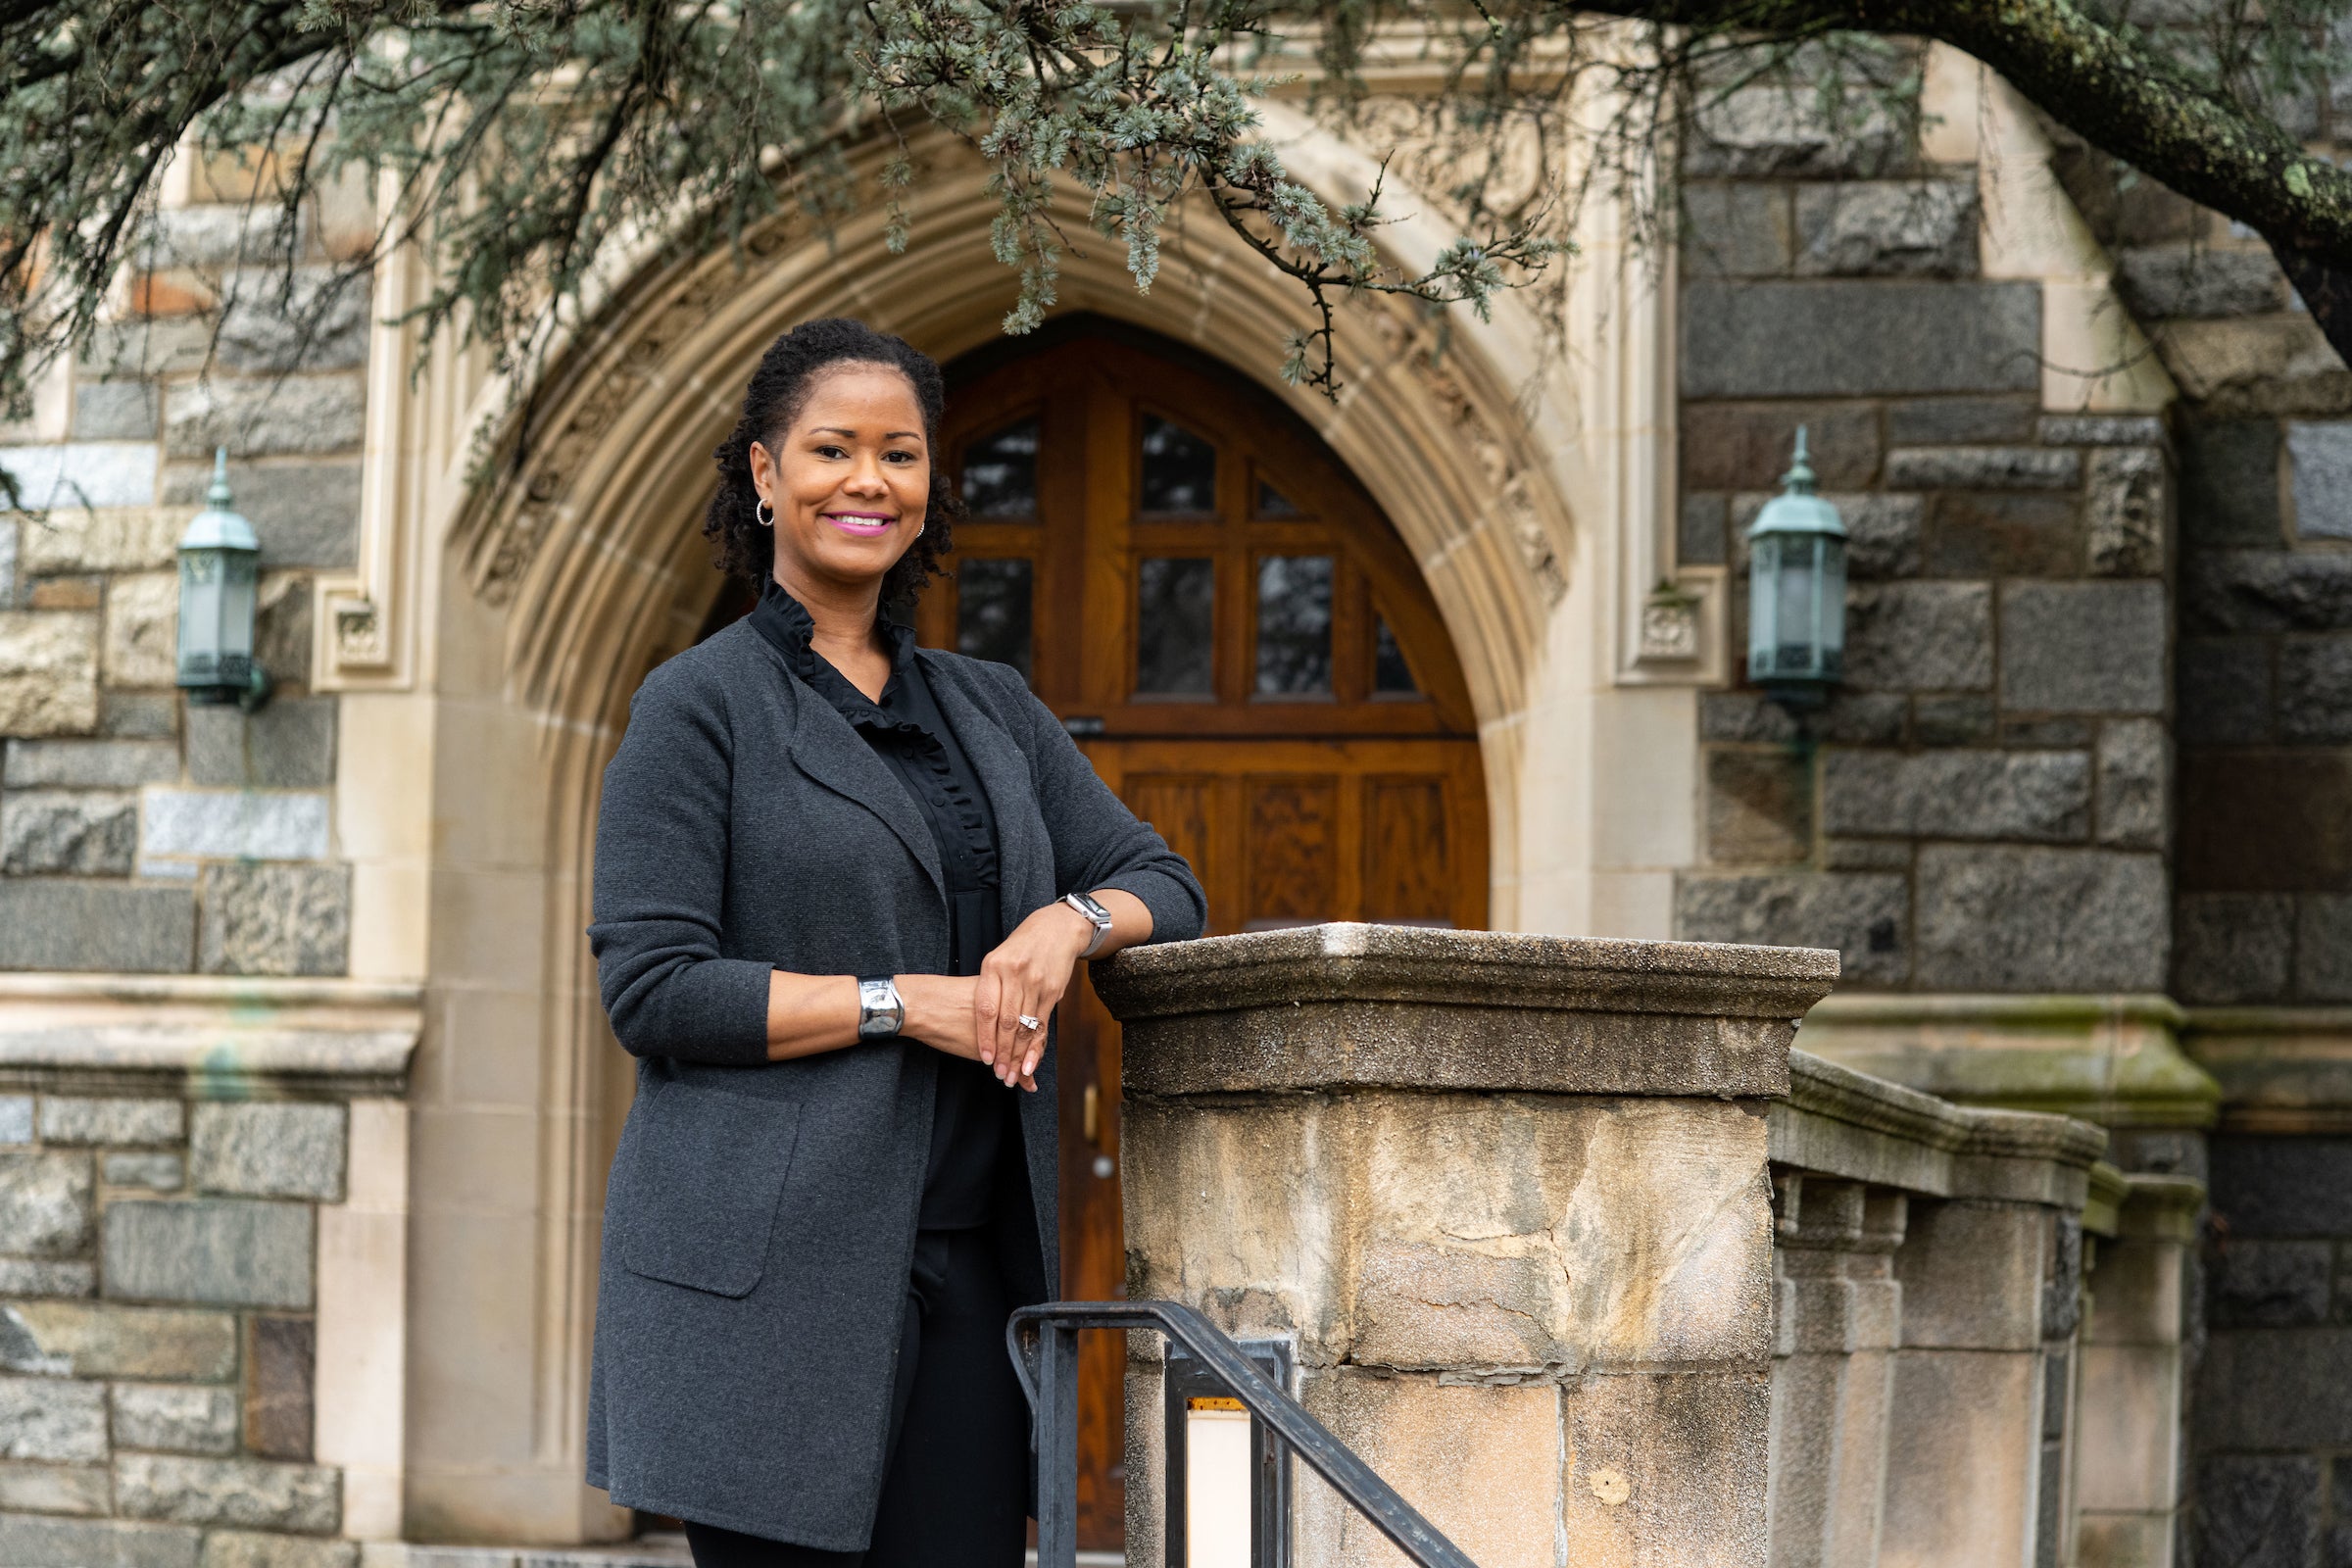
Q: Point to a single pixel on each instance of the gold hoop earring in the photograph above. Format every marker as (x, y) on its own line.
(764, 514)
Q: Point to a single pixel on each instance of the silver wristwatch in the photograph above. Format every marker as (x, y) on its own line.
(881, 1013)
(1096, 916)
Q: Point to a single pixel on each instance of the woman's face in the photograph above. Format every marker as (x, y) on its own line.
(849, 480)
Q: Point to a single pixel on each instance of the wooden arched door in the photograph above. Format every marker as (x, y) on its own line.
(1246, 651)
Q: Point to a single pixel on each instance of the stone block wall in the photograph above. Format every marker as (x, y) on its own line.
(158, 1331)
(138, 833)
(1985, 804)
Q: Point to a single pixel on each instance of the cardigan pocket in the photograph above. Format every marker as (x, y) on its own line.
(698, 1181)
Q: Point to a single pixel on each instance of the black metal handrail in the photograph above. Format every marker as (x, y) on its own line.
(1044, 1341)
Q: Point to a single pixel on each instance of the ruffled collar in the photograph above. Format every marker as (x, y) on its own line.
(785, 622)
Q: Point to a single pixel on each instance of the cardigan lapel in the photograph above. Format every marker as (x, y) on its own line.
(1024, 856)
(830, 751)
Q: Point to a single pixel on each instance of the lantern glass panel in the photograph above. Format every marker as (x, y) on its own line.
(1833, 608)
(1793, 610)
(200, 616)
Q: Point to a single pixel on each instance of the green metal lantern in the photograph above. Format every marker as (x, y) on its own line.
(1796, 592)
(220, 578)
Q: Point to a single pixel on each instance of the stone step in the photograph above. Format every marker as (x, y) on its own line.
(653, 1550)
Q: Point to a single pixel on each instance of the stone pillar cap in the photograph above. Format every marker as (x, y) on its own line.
(1332, 1006)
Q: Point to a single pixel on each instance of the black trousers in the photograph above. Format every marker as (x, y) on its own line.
(955, 1482)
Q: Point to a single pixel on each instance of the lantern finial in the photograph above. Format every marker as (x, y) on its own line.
(1800, 479)
(218, 497)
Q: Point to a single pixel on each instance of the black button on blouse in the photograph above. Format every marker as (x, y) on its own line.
(969, 1125)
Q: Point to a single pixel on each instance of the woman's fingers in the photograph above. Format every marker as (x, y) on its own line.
(987, 999)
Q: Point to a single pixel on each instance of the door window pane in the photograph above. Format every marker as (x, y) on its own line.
(1272, 502)
(1174, 624)
(1392, 677)
(993, 611)
(999, 472)
(1294, 626)
(1179, 470)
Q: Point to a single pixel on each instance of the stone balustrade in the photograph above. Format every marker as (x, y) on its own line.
(1565, 1240)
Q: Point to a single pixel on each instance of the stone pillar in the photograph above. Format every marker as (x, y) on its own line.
(1507, 1197)
(2127, 1480)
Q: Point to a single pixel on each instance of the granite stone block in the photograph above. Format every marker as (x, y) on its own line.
(1957, 794)
(264, 417)
(104, 1339)
(140, 645)
(1920, 636)
(1859, 339)
(16, 1118)
(305, 514)
(235, 825)
(282, 1355)
(2084, 647)
(174, 1417)
(156, 1174)
(1864, 917)
(53, 1419)
(2224, 686)
(312, 318)
(48, 672)
(2252, 1285)
(1784, 131)
(2225, 591)
(96, 925)
(2257, 1511)
(140, 715)
(2123, 512)
(34, 1538)
(75, 475)
(1993, 917)
(114, 410)
(1699, 538)
(118, 539)
(34, 1276)
(2265, 821)
(71, 1488)
(2320, 457)
(1747, 447)
(90, 765)
(1854, 719)
(288, 744)
(2232, 946)
(238, 1548)
(1890, 228)
(111, 1119)
(1991, 534)
(45, 1201)
(1759, 807)
(2315, 690)
(1984, 468)
(2101, 430)
(250, 1494)
(69, 832)
(267, 1150)
(1958, 718)
(276, 920)
(212, 235)
(2135, 773)
(281, 627)
(1735, 229)
(2177, 283)
(2323, 946)
(2230, 485)
(223, 1252)
(2297, 1186)
(1945, 421)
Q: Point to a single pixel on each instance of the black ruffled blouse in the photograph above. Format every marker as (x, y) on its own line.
(904, 727)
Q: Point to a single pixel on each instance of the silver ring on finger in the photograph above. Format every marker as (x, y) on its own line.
(1031, 1025)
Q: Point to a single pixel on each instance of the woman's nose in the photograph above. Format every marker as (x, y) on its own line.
(866, 479)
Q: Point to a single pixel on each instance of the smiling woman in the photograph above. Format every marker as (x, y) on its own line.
(841, 883)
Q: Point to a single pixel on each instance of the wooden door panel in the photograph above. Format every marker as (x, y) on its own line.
(1294, 806)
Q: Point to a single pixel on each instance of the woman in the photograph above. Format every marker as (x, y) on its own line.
(831, 924)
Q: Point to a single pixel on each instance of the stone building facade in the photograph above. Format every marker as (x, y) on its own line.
(305, 1100)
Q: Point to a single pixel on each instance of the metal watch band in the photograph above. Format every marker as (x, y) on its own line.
(1097, 917)
(881, 1013)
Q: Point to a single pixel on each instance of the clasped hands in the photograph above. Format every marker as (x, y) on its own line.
(979, 1017)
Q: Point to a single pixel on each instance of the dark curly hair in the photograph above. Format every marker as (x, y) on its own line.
(739, 546)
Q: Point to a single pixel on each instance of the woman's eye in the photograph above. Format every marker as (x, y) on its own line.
(900, 457)
(831, 452)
